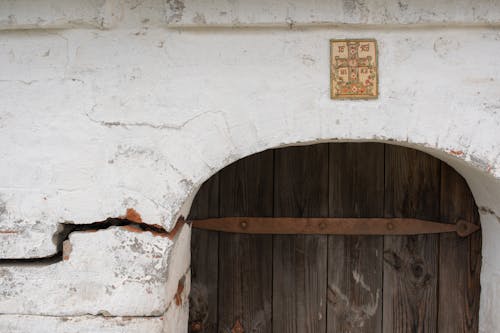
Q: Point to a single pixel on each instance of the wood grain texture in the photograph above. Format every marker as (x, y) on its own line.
(356, 182)
(426, 283)
(300, 262)
(412, 189)
(245, 261)
(459, 259)
(204, 259)
(356, 186)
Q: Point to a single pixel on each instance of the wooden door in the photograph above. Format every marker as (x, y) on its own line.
(335, 283)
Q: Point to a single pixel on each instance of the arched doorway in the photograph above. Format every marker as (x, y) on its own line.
(336, 283)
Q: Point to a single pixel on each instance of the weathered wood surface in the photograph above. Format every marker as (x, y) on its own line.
(412, 189)
(204, 260)
(300, 262)
(355, 262)
(245, 261)
(289, 283)
(459, 259)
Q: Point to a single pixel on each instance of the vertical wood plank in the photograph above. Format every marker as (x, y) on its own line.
(245, 261)
(412, 189)
(474, 277)
(300, 262)
(459, 263)
(355, 267)
(204, 259)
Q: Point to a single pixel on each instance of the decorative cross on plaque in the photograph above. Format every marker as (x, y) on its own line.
(354, 69)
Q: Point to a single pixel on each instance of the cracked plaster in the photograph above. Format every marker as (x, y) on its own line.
(105, 109)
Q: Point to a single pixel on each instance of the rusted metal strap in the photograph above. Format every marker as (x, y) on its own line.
(333, 226)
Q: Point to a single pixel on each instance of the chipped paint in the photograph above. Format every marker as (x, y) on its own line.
(456, 152)
(112, 105)
(133, 215)
(178, 226)
(66, 249)
(132, 228)
(104, 267)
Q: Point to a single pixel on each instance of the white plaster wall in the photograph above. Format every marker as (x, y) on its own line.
(79, 324)
(108, 272)
(110, 105)
(325, 12)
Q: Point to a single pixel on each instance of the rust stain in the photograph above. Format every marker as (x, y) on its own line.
(156, 225)
(133, 215)
(154, 229)
(178, 294)
(132, 228)
(66, 249)
(456, 152)
(196, 326)
(8, 232)
(160, 234)
(237, 328)
(135, 228)
(178, 226)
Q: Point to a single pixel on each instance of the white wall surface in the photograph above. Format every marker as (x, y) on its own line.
(110, 105)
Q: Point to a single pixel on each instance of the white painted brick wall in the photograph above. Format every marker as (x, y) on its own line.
(110, 105)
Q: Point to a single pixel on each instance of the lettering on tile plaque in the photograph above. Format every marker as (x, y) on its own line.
(354, 72)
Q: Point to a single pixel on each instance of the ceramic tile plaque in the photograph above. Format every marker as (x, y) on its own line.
(354, 72)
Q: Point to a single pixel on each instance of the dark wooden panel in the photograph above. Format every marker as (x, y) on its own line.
(355, 268)
(412, 189)
(356, 180)
(204, 259)
(300, 262)
(459, 267)
(245, 261)
(350, 300)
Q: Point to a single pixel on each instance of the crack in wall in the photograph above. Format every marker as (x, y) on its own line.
(160, 126)
(63, 246)
(174, 302)
(82, 316)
